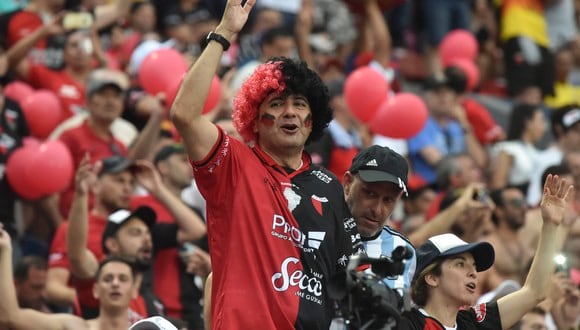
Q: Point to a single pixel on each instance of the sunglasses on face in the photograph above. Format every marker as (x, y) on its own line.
(519, 203)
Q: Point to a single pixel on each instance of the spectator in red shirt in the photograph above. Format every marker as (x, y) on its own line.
(172, 283)
(68, 83)
(112, 191)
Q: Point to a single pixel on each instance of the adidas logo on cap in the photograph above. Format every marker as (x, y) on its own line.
(372, 162)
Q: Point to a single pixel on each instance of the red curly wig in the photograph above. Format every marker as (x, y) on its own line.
(267, 78)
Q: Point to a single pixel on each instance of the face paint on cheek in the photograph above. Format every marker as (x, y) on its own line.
(308, 121)
(267, 119)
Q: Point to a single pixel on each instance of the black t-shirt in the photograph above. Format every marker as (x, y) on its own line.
(482, 316)
(12, 129)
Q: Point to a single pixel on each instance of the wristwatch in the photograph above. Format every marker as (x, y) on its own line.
(218, 38)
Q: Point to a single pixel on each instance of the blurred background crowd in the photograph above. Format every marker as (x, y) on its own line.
(483, 92)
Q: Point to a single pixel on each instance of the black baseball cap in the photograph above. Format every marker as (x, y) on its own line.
(118, 218)
(167, 151)
(116, 164)
(448, 245)
(377, 164)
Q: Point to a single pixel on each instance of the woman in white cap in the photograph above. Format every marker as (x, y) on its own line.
(447, 267)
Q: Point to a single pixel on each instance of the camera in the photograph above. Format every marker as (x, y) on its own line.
(365, 301)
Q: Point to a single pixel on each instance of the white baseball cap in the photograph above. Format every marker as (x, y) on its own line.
(153, 323)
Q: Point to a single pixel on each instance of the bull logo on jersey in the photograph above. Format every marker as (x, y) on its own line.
(480, 312)
(292, 197)
(317, 203)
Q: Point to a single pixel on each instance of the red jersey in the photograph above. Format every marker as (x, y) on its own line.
(70, 92)
(58, 256)
(80, 140)
(275, 238)
(84, 288)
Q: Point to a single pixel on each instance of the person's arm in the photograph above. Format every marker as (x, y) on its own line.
(557, 193)
(302, 30)
(474, 148)
(199, 134)
(83, 263)
(380, 33)
(501, 169)
(443, 221)
(108, 14)
(57, 290)
(11, 316)
(149, 135)
(431, 155)
(207, 302)
(17, 54)
(191, 226)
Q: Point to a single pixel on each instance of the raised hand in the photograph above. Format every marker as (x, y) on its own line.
(148, 177)
(557, 195)
(86, 175)
(234, 18)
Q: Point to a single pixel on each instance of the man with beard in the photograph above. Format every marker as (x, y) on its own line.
(512, 256)
(87, 240)
(175, 281)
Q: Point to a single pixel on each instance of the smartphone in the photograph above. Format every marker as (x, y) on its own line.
(562, 265)
(481, 195)
(77, 21)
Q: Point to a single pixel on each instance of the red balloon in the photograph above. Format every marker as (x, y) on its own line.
(160, 69)
(171, 92)
(42, 110)
(400, 117)
(364, 91)
(458, 44)
(18, 91)
(18, 172)
(214, 95)
(470, 70)
(55, 162)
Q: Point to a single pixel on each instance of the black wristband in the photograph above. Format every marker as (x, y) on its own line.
(218, 38)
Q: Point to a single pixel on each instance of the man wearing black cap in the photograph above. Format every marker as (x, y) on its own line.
(172, 283)
(375, 182)
(447, 271)
(121, 231)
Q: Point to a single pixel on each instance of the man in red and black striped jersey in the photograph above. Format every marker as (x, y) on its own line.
(278, 225)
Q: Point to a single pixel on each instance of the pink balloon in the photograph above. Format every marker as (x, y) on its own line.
(364, 91)
(42, 110)
(55, 162)
(400, 117)
(18, 91)
(18, 172)
(470, 70)
(458, 44)
(214, 95)
(160, 69)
